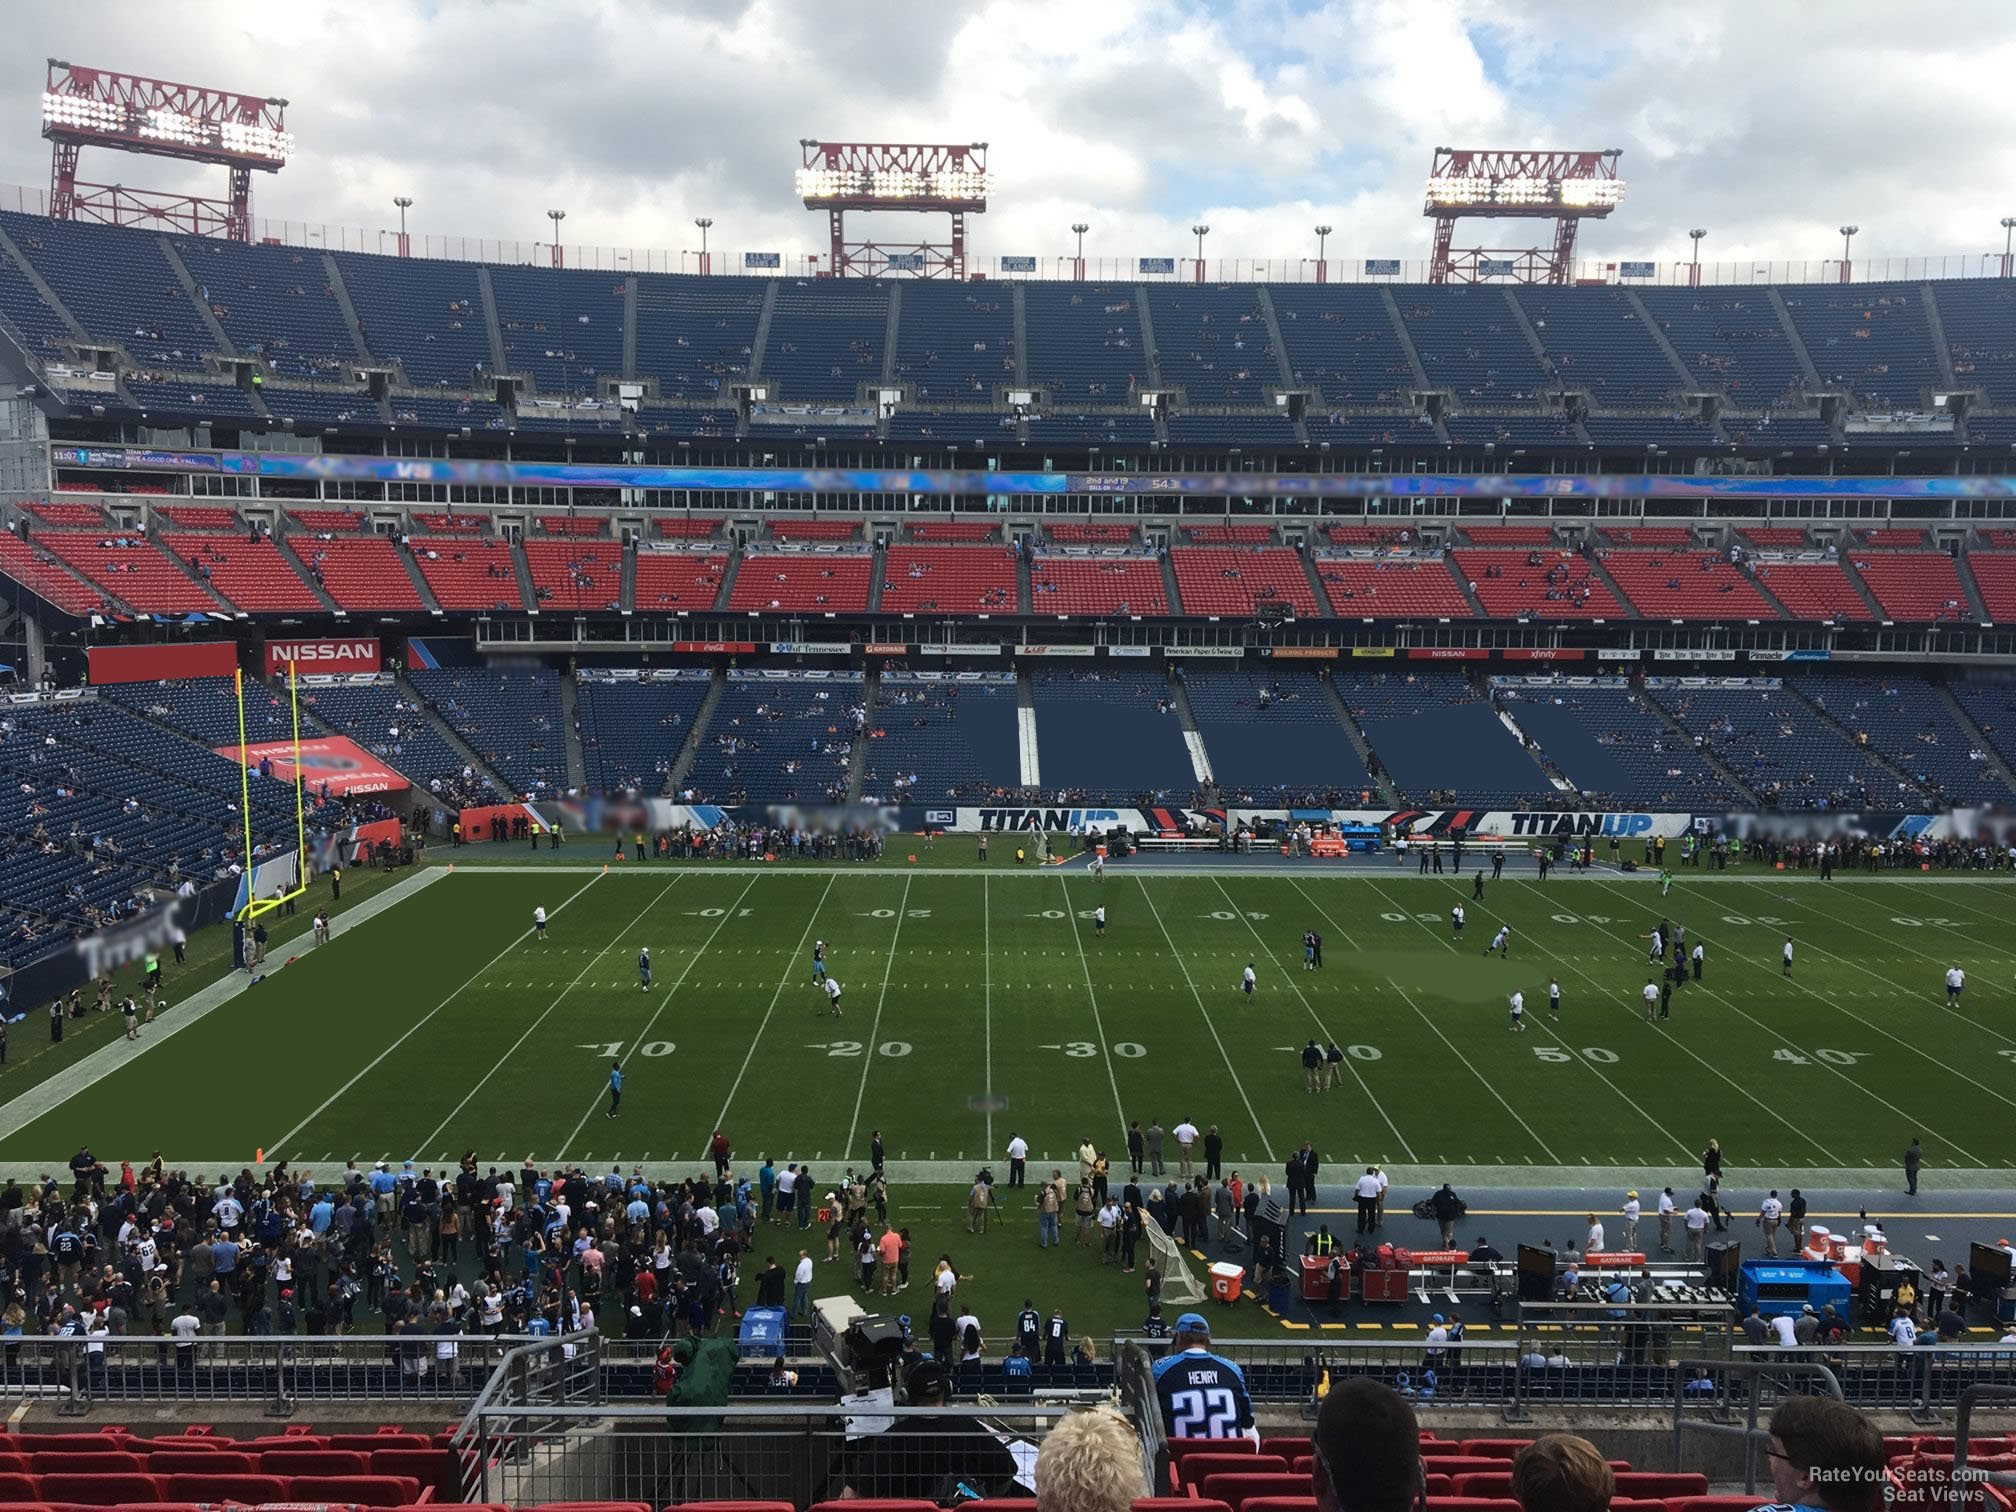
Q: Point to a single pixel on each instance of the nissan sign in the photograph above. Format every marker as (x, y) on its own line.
(349, 653)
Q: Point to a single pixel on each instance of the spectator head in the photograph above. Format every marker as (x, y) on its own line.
(1561, 1472)
(1825, 1453)
(1368, 1450)
(1090, 1462)
(928, 1385)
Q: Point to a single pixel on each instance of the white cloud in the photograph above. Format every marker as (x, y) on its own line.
(1768, 124)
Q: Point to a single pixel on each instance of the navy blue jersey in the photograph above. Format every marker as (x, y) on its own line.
(1202, 1395)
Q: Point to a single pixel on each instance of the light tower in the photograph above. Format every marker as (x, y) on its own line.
(1079, 228)
(1322, 267)
(1694, 267)
(557, 216)
(1200, 231)
(1564, 187)
(2008, 245)
(405, 203)
(704, 222)
(95, 107)
(945, 179)
(1848, 251)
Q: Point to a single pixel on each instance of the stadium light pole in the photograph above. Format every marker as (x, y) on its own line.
(1322, 268)
(1694, 267)
(1079, 228)
(1847, 251)
(405, 203)
(1200, 231)
(557, 216)
(703, 222)
(2008, 245)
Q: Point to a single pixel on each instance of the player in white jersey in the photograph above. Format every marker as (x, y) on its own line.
(1788, 955)
(1518, 1013)
(539, 922)
(1246, 980)
(1651, 996)
(1098, 867)
(1501, 942)
(833, 995)
(1554, 998)
(1099, 922)
(1456, 920)
(1955, 980)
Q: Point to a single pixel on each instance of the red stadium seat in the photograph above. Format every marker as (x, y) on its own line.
(1473, 1504)
(1465, 1464)
(1710, 1503)
(312, 1462)
(981, 1504)
(75, 1443)
(432, 1467)
(371, 1443)
(1237, 1489)
(94, 1489)
(1177, 1504)
(785, 1506)
(869, 1504)
(1662, 1484)
(641, 1507)
(1288, 1446)
(15, 1487)
(355, 1490)
(1486, 1483)
(1180, 1448)
(1636, 1504)
(1492, 1448)
(181, 1460)
(1281, 1504)
(226, 1488)
(108, 1461)
(1195, 1469)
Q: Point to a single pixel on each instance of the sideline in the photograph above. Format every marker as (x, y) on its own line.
(48, 1095)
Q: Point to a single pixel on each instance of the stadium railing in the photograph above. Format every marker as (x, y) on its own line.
(803, 1455)
(1747, 1384)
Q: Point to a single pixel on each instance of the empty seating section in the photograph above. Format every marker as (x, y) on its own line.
(574, 574)
(363, 572)
(828, 529)
(943, 738)
(1097, 583)
(1273, 736)
(955, 426)
(1211, 341)
(1230, 580)
(323, 406)
(200, 516)
(1370, 430)
(132, 569)
(1108, 735)
(670, 581)
(41, 330)
(253, 575)
(1995, 575)
(1232, 430)
(563, 326)
(948, 580)
(1914, 586)
(385, 722)
(826, 342)
(119, 287)
(1438, 738)
(1871, 339)
(206, 708)
(1646, 535)
(778, 739)
(1536, 584)
(1469, 342)
(1685, 585)
(204, 396)
(450, 411)
(633, 729)
(1776, 537)
(511, 719)
(1369, 535)
(1812, 590)
(67, 512)
(956, 344)
(1084, 341)
(275, 303)
(1991, 430)
(1341, 342)
(450, 524)
(1888, 537)
(666, 420)
(1979, 318)
(1614, 747)
(1510, 430)
(1098, 533)
(823, 580)
(1907, 721)
(1228, 535)
(1782, 750)
(327, 520)
(1768, 431)
(38, 569)
(1998, 539)
(1731, 340)
(469, 574)
(953, 530)
(1508, 535)
(694, 335)
(1392, 588)
(1991, 703)
(426, 316)
(686, 528)
(572, 525)
(1125, 428)
(1597, 341)
(1647, 430)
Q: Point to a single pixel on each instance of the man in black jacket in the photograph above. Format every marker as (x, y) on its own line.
(1447, 1207)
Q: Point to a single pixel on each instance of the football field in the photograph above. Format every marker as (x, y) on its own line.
(979, 1003)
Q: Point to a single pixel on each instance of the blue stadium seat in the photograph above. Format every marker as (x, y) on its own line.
(1906, 720)
(563, 326)
(956, 343)
(511, 719)
(1084, 341)
(426, 316)
(275, 303)
(1615, 749)
(778, 739)
(1211, 341)
(1871, 339)
(1109, 736)
(826, 339)
(1437, 736)
(1340, 340)
(1289, 747)
(940, 739)
(632, 731)
(1470, 343)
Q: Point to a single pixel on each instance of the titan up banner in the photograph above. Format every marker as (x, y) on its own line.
(328, 761)
(328, 653)
(172, 663)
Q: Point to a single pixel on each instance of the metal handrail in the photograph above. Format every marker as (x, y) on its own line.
(1134, 1379)
(1963, 1427)
(1752, 1371)
(516, 1373)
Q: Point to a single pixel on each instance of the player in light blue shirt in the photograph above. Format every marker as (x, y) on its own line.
(644, 968)
(615, 1087)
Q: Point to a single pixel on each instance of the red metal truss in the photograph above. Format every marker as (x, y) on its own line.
(1516, 183)
(97, 107)
(942, 179)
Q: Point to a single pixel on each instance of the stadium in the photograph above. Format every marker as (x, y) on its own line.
(1530, 727)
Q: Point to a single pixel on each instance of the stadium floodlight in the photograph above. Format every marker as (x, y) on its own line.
(1694, 267)
(557, 216)
(1563, 186)
(705, 223)
(94, 107)
(1322, 267)
(940, 178)
(1848, 251)
(2008, 245)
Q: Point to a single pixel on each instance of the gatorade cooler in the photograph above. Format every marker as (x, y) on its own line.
(1226, 1279)
(1099, 850)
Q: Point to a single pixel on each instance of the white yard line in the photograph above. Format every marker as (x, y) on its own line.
(383, 1055)
(987, 1006)
(1582, 1060)
(875, 1026)
(666, 1001)
(790, 966)
(593, 961)
(1315, 1019)
(53, 1091)
(1532, 1133)
(1099, 1022)
(1204, 1013)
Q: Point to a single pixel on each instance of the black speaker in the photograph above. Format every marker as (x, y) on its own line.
(1723, 1263)
(875, 1348)
(1536, 1274)
(1987, 1271)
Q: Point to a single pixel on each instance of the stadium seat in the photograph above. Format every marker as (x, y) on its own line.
(311, 1462)
(1181, 1448)
(869, 1504)
(1288, 1446)
(1236, 1488)
(1303, 1503)
(99, 1488)
(354, 1490)
(981, 1504)
(199, 1461)
(1465, 1463)
(1704, 1503)
(1461, 1503)
(198, 1487)
(1197, 1468)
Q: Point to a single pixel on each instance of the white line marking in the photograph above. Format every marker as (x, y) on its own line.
(1531, 1131)
(1098, 1019)
(875, 1026)
(987, 1000)
(775, 997)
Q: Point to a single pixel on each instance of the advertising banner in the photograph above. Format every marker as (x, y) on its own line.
(1226, 651)
(1157, 265)
(810, 648)
(1546, 653)
(1314, 653)
(732, 648)
(1445, 653)
(886, 648)
(1636, 269)
(1617, 653)
(762, 260)
(131, 664)
(1382, 267)
(1053, 650)
(346, 653)
(1664, 653)
(1494, 267)
(340, 765)
(1130, 650)
(1018, 265)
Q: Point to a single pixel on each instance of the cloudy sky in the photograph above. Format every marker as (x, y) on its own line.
(1770, 122)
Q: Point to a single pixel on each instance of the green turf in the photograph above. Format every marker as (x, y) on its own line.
(977, 1006)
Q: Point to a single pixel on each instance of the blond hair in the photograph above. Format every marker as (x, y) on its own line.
(1090, 1462)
